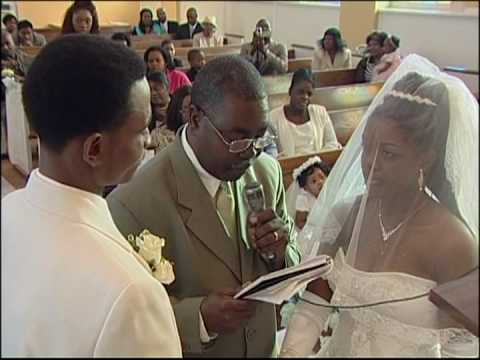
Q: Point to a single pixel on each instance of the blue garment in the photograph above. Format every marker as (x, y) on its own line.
(157, 29)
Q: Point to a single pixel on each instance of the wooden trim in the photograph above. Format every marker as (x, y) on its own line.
(305, 47)
(237, 36)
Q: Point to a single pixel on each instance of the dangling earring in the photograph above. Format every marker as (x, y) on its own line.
(420, 180)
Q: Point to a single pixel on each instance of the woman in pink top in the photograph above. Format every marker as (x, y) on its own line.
(157, 59)
(389, 61)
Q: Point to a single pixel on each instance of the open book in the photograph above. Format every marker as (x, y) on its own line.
(281, 285)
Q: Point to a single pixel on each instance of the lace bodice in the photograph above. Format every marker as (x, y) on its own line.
(411, 328)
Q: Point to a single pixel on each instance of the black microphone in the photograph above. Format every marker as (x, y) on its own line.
(256, 203)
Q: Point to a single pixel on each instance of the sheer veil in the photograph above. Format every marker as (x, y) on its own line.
(453, 182)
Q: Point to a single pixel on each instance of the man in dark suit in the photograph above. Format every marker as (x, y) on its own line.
(191, 27)
(170, 27)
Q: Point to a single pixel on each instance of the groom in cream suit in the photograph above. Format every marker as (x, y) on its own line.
(192, 193)
(72, 286)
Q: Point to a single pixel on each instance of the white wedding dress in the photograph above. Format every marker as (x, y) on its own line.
(382, 330)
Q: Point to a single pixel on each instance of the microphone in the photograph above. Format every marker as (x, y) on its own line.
(256, 203)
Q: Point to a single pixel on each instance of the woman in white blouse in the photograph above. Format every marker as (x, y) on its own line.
(209, 36)
(302, 128)
(332, 52)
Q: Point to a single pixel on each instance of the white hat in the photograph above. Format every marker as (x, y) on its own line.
(210, 20)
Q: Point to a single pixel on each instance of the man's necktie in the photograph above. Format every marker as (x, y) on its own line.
(226, 208)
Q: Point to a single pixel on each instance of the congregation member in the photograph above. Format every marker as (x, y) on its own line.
(146, 25)
(192, 194)
(395, 217)
(13, 58)
(10, 21)
(158, 59)
(196, 59)
(389, 61)
(178, 110)
(84, 292)
(209, 37)
(365, 68)
(268, 56)
(26, 37)
(81, 17)
(191, 27)
(332, 52)
(168, 45)
(302, 128)
(123, 38)
(161, 136)
(169, 26)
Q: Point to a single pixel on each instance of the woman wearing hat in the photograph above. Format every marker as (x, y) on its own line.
(332, 52)
(208, 37)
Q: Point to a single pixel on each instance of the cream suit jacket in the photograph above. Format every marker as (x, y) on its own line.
(168, 197)
(72, 285)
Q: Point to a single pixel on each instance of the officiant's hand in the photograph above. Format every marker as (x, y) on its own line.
(268, 235)
(223, 314)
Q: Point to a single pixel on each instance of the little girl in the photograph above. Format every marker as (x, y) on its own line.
(389, 61)
(303, 192)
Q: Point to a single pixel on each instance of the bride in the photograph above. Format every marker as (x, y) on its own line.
(399, 214)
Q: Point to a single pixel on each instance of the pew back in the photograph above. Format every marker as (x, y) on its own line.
(336, 97)
(291, 163)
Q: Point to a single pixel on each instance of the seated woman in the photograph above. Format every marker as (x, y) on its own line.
(364, 70)
(332, 52)
(81, 17)
(158, 59)
(302, 128)
(395, 215)
(209, 36)
(390, 60)
(308, 180)
(146, 25)
(178, 110)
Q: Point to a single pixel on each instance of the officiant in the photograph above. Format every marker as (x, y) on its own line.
(192, 193)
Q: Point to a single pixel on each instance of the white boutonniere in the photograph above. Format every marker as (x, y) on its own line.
(149, 247)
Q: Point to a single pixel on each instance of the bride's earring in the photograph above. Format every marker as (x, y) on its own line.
(420, 180)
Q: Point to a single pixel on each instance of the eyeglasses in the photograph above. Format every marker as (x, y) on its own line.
(238, 146)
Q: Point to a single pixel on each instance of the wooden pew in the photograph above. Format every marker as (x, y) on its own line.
(336, 97)
(210, 53)
(300, 63)
(53, 30)
(291, 163)
(346, 121)
(144, 42)
(279, 84)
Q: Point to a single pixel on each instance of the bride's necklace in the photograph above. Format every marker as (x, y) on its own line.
(387, 234)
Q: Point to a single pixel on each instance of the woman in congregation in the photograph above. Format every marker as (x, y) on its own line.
(158, 59)
(179, 108)
(390, 60)
(146, 25)
(396, 217)
(209, 36)
(81, 17)
(300, 127)
(332, 52)
(365, 68)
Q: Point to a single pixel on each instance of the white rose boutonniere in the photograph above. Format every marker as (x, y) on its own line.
(149, 247)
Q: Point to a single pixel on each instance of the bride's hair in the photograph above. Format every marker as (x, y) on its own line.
(420, 106)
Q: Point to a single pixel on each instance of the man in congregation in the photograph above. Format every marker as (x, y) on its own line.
(192, 194)
(72, 286)
(26, 37)
(191, 27)
(169, 26)
(268, 56)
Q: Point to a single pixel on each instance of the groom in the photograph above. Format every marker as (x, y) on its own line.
(71, 284)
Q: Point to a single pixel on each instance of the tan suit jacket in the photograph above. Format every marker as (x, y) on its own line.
(168, 198)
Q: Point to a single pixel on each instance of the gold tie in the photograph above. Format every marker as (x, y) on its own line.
(226, 208)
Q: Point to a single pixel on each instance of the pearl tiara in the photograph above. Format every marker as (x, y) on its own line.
(411, 97)
(313, 160)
